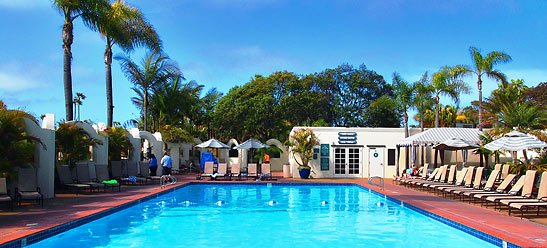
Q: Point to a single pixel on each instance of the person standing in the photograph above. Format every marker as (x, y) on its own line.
(153, 165)
(166, 162)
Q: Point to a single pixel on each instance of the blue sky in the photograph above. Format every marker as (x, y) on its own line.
(223, 43)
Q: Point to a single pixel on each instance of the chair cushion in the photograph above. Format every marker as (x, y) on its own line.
(30, 195)
(5, 198)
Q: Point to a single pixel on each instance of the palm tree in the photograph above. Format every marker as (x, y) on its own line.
(483, 66)
(78, 102)
(155, 68)
(404, 93)
(423, 97)
(90, 11)
(447, 82)
(126, 27)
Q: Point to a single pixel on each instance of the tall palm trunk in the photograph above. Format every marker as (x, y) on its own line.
(479, 86)
(405, 116)
(437, 121)
(108, 65)
(145, 106)
(67, 71)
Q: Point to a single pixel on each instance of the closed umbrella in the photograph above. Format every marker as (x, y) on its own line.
(454, 144)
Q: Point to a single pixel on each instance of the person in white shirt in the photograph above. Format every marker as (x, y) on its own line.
(166, 162)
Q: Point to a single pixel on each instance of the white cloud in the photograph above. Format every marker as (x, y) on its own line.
(24, 4)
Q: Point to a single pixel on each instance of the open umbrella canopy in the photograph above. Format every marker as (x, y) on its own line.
(515, 141)
(455, 144)
(250, 144)
(213, 143)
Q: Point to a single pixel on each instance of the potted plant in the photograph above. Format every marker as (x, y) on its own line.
(301, 145)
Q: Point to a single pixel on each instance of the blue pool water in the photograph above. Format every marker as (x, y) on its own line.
(231, 215)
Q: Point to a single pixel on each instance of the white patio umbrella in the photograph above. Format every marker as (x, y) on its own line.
(515, 141)
(251, 144)
(213, 143)
(454, 144)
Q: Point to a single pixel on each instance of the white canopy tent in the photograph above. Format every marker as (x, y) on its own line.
(515, 141)
(435, 136)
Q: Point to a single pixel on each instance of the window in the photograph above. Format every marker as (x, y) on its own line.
(233, 153)
(390, 156)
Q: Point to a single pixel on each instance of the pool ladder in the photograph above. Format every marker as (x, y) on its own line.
(167, 180)
(380, 181)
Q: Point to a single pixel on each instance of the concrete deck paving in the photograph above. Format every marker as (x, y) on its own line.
(65, 208)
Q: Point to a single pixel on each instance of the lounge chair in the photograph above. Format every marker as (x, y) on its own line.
(477, 184)
(526, 192)
(132, 173)
(208, 170)
(27, 188)
(222, 171)
(437, 179)
(252, 170)
(444, 180)
(517, 187)
(468, 182)
(102, 176)
(4, 193)
(500, 189)
(423, 177)
(488, 187)
(82, 172)
(145, 172)
(117, 169)
(65, 177)
(505, 171)
(541, 194)
(235, 171)
(460, 180)
(412, 182)
(539, 202)
(266, 171)
(450, 180)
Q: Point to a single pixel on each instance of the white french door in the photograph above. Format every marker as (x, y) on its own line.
(347, 162)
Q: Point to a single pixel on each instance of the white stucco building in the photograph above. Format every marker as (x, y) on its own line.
(365, 152)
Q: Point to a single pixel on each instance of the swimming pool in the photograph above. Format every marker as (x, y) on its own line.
(275, 215)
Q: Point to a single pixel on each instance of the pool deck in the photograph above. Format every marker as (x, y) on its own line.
(65, 208)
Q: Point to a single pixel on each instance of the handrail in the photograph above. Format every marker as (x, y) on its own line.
(380, 179)
(167, 180)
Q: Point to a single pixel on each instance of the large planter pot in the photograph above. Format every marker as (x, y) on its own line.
(304, 173)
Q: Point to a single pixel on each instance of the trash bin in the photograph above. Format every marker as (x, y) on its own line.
(286, 171)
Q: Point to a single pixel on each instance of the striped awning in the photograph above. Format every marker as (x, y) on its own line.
(434, 136)
(515, 141)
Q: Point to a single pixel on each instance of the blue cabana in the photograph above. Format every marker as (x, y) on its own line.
(207, 157)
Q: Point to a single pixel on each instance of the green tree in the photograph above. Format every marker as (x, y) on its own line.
(446, 82)
(155, 69)
(17, 147)
(301, 143)
(404, 93)
(78, 101)
(484, 66)
(423, 97)
(349, 91)
(91, 12)
(126, 27)
(72, 144)
(118, 143)
(383, 112)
